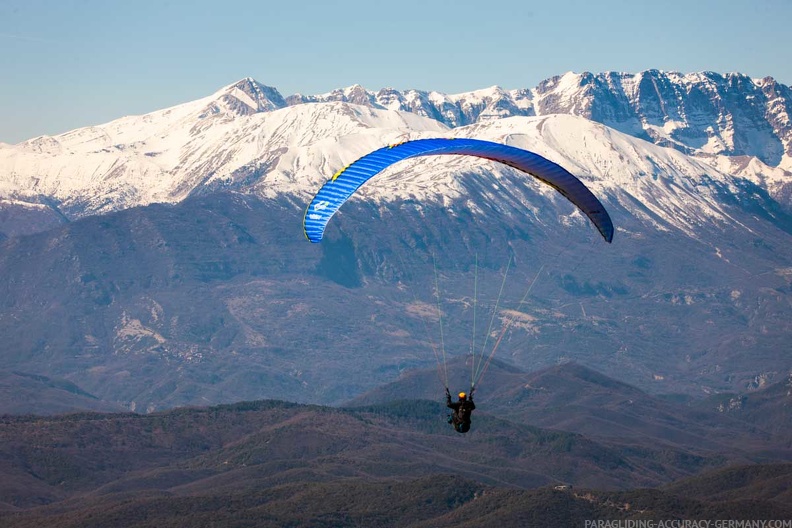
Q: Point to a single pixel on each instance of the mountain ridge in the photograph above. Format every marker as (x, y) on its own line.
(173, 147)
(574, 398)
(95, 469)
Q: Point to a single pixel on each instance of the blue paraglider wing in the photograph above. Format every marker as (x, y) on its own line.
(346, 181)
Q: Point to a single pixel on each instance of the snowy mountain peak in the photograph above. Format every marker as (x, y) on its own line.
(704, 113)
(355, 94)
(246, 97)
(358, 95)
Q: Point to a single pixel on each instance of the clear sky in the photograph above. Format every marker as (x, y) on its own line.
(71, 63)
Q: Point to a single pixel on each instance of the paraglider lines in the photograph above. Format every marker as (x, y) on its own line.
(440, 366)
(473, 337)
(507, 326)
(440, 319)
(476, 375)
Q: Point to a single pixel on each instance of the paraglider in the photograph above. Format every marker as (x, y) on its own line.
(463, 408)
(346, 181)
(336, 191)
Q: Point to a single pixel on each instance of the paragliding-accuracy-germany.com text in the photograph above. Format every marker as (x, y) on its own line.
(689, 523)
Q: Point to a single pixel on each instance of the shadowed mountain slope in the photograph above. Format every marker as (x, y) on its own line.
(572, 397)
(22, 393)
(769, 407)
(433, 501)
(48, 460)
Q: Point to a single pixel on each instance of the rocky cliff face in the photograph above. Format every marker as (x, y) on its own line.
(697, 113)
(703, 113)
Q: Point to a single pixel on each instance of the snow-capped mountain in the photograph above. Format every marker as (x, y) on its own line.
(248, 136)
(236, 137)
(452, 110)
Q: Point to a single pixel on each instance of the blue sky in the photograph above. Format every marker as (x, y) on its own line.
(71, 63)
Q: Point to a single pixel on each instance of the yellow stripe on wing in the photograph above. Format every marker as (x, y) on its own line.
(337, 174)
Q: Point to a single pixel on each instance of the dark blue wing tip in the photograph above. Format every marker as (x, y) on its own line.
(607, 233)
(609, 230)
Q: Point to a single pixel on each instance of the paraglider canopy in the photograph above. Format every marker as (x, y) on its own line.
(346, 181)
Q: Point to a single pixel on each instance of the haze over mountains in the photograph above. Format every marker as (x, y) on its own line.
(158, 260)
